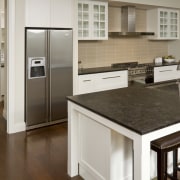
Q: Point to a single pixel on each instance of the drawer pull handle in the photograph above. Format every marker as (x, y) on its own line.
(111, 77)
(165, 70)
(87, 80)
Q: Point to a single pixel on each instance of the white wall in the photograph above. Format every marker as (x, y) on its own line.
(15, 66)
(19, 62)
(1, 80)
(174, 49)
(1, 4)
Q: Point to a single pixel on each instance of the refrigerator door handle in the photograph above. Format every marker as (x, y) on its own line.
(49, 72)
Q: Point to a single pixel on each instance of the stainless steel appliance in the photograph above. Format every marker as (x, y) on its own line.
(49, 54)
(128, 23)
(139, 72)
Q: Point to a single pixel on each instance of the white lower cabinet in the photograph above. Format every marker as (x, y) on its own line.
(103, 153)
(94, 149)
(102, 81)
(165, 73)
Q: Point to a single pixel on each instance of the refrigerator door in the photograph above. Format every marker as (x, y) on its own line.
(61, 55)
(36, 79)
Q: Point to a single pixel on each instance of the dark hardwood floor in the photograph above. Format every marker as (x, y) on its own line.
(39, 154)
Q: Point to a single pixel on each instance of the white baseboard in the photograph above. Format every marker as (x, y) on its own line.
(85, 174)
(18, 127)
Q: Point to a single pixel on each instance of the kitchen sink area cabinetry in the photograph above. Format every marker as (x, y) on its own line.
(165, 73)
(164, 22)
(102, 81)
(49, 13)
(92, 20)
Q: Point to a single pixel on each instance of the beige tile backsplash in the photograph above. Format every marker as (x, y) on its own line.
(124, 49)
(104, 53)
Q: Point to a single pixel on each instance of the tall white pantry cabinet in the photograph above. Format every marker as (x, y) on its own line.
(49, 13)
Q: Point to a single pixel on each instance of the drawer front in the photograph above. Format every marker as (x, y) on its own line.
(102, 81)
(86, 83)
(165, 73)
(112, 80)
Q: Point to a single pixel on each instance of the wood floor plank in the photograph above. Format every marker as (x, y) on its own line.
(35, 155)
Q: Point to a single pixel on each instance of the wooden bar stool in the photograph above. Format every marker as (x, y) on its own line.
(162, 146)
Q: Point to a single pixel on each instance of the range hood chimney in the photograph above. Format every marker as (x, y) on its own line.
(128, 23)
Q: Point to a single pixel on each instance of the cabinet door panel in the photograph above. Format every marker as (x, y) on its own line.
(92, 20)
(102, 81)
(164, 22)
(61, 13)
(86, 83)
(112, 80)
(38, 13)
(84, 23)
(165, 73)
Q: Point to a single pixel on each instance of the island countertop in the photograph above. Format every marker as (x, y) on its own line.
(137, 108)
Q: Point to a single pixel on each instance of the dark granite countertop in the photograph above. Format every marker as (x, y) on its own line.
(137, 108)
(84, 71)
(165, 64)
(99, 70)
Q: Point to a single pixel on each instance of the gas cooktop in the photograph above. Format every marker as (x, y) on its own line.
(134, 68)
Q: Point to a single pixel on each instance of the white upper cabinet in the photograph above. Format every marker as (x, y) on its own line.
(38, 13)
(92, 20)
(49, 13)
(61, 13)
(164, 22)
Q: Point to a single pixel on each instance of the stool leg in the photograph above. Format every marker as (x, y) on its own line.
(160, 165)
(175, 164)
(165, 165)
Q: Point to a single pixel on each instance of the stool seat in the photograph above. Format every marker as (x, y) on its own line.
(162, 146)
(167, 141)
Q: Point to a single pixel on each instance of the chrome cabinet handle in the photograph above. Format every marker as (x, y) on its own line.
(87, 80)
(111, 77)
(165, 70)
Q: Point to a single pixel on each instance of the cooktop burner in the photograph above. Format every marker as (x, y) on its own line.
(135, 69)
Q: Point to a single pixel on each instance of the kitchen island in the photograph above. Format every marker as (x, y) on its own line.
(99, 124)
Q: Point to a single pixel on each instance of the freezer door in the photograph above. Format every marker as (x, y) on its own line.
(61, 55)
(36, 86)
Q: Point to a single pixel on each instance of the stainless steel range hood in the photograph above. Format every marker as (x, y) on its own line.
(128, 23)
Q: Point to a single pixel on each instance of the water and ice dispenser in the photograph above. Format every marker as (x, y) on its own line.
(36, 67)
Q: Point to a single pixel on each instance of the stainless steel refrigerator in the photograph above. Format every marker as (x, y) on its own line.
(49, 54)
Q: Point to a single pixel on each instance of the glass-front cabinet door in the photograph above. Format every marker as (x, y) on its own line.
(99, 21)
(168, 22)
(92, 20)
(83, 20)
(163, 24)
(174, 16)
